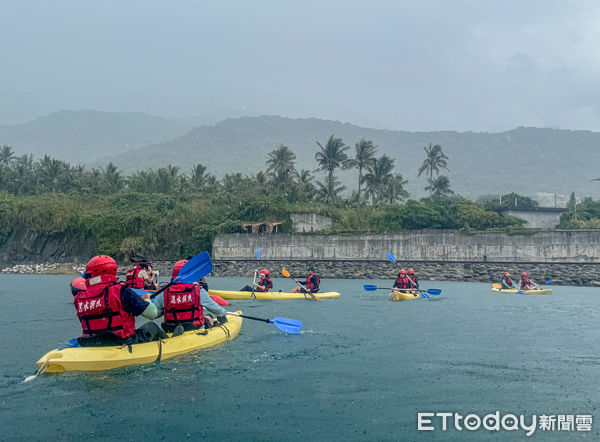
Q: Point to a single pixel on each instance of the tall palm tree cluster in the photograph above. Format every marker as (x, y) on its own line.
(377, 181)
(381, 184)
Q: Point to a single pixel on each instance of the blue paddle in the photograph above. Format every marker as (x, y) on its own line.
(371, 288)
(286, 325)
(193, 270)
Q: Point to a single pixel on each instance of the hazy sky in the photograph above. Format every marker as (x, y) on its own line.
(419, 65)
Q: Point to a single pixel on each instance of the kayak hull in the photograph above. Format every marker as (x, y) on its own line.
(400, 296)
(107, 358)
(525, 292)
(230, 294)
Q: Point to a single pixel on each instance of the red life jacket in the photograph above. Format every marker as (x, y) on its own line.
(266, 282)
(525, 284)
(133, 280)
(402, 283)
(309, 284)
(507, 283)
(100, 310)
(182, 304)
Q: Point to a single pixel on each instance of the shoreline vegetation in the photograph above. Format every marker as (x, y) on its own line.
(166, 214)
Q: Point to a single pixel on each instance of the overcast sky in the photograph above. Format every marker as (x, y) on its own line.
(418, 65)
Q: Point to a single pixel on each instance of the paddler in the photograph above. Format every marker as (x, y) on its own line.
(182, 306)
(107, 309)
(411, 275)
(141, 275)
(507, 283)
(527, 284)
(311, 283)
(264, 283)
(403, 283)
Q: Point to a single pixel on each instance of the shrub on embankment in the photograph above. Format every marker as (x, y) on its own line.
(172, 225)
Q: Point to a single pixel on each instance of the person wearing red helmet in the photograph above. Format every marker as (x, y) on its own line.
(507, 282)
(411, 275)
(402, 282)
(183, 306)
(527, 284)
(107, 309)
(264, 283)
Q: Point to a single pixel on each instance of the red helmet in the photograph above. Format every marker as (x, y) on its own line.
(506, 274)
(78, 285)
(177, 267)
(101, 265)
(265, 272)
(402, 272)
(411, 272)
(523, 274)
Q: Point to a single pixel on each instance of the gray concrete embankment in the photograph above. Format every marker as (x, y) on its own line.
(567, 257)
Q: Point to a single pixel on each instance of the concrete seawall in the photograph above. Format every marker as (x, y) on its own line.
(567, 257)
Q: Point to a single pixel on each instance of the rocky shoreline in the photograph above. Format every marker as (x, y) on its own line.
(561, 273)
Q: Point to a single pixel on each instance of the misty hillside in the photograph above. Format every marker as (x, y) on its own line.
(78, 136)
(523, 160)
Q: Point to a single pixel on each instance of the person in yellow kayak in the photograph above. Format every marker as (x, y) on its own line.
(141, 275)
(527, 284)
(264, 283)
(411, 275)
(507, 282)
(311, 284)
(403, 283)
(183, 306)
(107, 309)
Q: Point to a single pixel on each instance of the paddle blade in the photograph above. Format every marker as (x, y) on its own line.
(140, 292)
(496, 286)
(285, 273)
(391, 257)
(434, 291)
(424, 295)
(287, 325)
(370, 288)
(258, 253)
(196, 268)
(548, 282)
(520, 292)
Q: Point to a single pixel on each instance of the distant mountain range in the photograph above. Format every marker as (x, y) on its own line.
(81, 136)
(522, 160)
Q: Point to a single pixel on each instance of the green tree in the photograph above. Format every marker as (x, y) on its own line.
(395, 189)
(364, 155)
(439, 186)
(112, 178)
(378, 177)
(435, 160)
(281, 170)
(331, 157)
(6, 155)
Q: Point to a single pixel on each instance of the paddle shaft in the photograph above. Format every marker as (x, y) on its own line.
(160, 290)
(249, 317)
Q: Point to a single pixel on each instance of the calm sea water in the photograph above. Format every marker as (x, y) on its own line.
(360, 370)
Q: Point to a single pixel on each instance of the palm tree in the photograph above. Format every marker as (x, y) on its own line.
(306, 189)
(281, 170)
(378, 177)
(6, 155)
(364, 155)
(439, 186)
(395, 189)
(435, 160)
(198, 176)
(329, 158)
(113, 180)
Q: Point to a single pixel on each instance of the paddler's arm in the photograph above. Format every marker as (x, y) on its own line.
(210, 305)
(136, 306)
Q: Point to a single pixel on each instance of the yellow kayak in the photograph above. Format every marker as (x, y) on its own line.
(401, 296)
(525, 292)
(229, 294)
(106, 358)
